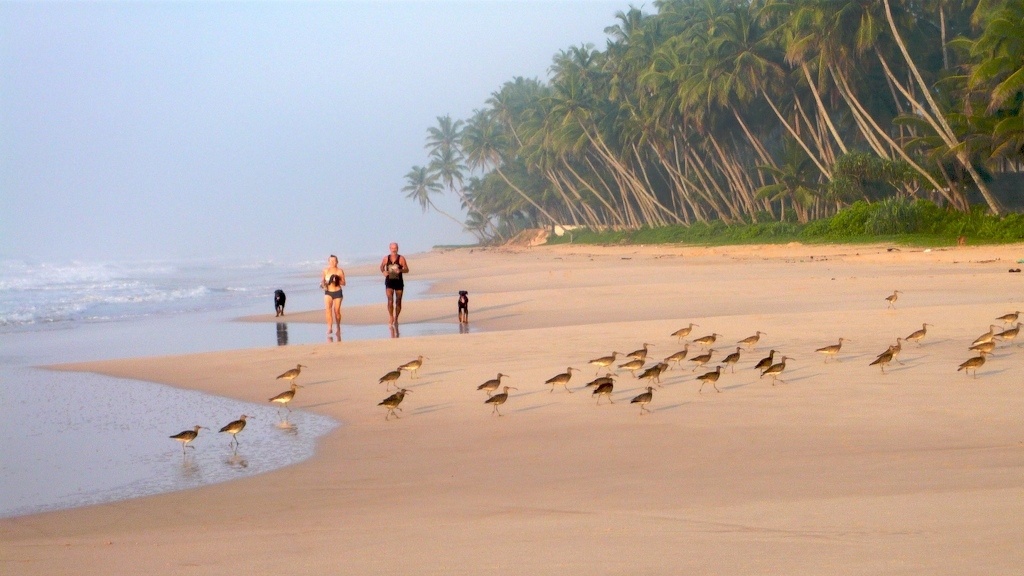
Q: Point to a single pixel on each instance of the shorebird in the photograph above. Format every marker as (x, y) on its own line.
(234, 428)
(562, 379)
(492, 384)
(640, 354)
(831, 351)
(987, 336)
(633, 366)
(1009, 334)
(186, 436)
(707, 340)
(766, 361)
(604, 361)
(1009, 318)
(986, 347)
(883, 359)
(749, 341)
(702, 359)
(775, 369)
(499, 399)
(896, 349)
(597, 382)
(286, 397)
(392, 402)
(413, 365)
(710, 377)
(732, 359)
(654, 373)
(684, 332)
(643, 399)
(679, 356)
(292, 374)
(975, 363)
(892, 299)
(390, 377)
(918, 335)
(604, 389)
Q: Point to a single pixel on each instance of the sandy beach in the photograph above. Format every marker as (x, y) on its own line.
(837, 469)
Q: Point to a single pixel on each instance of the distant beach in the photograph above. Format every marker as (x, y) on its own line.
(837, 468)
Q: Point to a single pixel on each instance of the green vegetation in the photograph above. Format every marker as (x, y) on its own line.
(893, 220)
(716, 119)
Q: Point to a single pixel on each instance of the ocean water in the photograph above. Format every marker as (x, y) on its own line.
(73, 439)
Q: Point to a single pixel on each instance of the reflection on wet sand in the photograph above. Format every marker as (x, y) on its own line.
(190, 469)
(237, 461)
(282, 333)
(287, 427)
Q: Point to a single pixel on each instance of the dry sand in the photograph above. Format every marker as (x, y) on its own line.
(839, 470)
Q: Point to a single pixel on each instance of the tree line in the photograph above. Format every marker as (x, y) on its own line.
(744, 112)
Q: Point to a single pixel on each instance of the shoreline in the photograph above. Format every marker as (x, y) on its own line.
(838, 469)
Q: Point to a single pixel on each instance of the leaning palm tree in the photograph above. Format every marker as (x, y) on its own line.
(421, 184)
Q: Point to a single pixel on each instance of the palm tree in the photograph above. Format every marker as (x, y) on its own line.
(421, 184)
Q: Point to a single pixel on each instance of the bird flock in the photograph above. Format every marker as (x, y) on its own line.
(698, 352)
(234, 427)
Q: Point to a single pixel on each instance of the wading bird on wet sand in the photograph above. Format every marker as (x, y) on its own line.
(707, 340)
(679, 356)
(644, 399)
(492, 384)
(702, 359)
(640, 354)
(775, 369)
(186, 436)
(562, 379)
(892, 299)
(392, 402)
(292, 374)
(832, 350)
(749, 341)
(1010, 334)
(633, 366)
(918, 335)
(883, 359)
(597, 382)
(413, 365)
(499, 399)
(1009, 318)
(285, 398)
(987, 336)
(653, 374)
(234, 428)
(986, 347)
(975, 363)
(766, 361)
(604, 389)
(604, 361)
(684, 332)
(732, 359)
(710, 377)
(389, 378)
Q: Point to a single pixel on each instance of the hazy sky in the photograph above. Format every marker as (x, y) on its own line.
(266, 130)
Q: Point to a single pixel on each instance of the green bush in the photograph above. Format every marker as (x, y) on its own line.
(901, 220)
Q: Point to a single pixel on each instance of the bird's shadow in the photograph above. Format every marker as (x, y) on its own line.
(534, 407)
(432, 408)
(669, 407)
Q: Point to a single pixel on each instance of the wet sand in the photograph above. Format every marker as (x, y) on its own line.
(839, 469)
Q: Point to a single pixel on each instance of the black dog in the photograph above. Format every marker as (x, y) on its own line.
(463, 307)
(279, 299)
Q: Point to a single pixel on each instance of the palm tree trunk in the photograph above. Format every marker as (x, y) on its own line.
(551, 218)
(797, 138)
(950, 136)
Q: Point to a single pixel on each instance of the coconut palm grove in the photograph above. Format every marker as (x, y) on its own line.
(757, 113)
